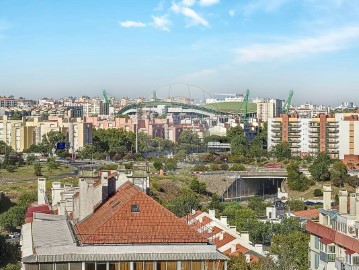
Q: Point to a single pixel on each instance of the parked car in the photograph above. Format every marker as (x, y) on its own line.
(14, 235)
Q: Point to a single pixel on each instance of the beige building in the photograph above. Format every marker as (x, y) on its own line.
(21, 134)
(269, 109)
(334, 242)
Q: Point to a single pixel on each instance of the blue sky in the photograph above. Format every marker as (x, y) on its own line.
(73, 48)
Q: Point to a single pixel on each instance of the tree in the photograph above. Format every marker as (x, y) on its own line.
(320, 167)
(317, 192)
(50, 139)
(158, 165)
(30, 159)
(197, 186)
(37, 169)
(258, 205)
(282, 151)
(238, 263)
(188, 141)
(292, 250)
(296, 205)
(184, 203)
(296, 180)
(239, 145)
(52, 164)
(339, 173)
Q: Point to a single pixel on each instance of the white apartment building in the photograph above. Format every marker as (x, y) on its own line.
(334, 242)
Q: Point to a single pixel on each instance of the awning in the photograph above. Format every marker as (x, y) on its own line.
(325, 241)
(350, 252)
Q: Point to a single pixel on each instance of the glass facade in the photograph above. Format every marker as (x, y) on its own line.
(136, 265)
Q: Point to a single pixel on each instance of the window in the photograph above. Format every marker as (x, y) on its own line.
(62, 266)
(161, 266)
(137, 265)
(219, 265)
(316, 242)
(149, 266)
(185, 265)
(90, 266)
(209, 265)
(316, 261)
(171, 265)
(331, 249)
(356, 260)
(46, 266)
(125, 266)
(31, 266)
(75, 266)
(197, 265)
(101, 266)
(113, 266)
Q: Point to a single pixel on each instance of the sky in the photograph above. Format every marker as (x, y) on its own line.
(195, 48)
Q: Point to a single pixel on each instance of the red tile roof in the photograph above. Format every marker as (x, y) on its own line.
(332, 235)
(113, 222)
(227, 238)
(310, 213)
(44, 208)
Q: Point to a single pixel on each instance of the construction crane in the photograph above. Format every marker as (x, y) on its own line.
(288, 103)
(245, 103)
(105, 96)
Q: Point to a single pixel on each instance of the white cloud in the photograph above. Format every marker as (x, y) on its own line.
(333, 41)
(161, 22)
(193, 16)
(232, 12)
(262, 5)
(128, 24)
(207, 3)
(188, 3)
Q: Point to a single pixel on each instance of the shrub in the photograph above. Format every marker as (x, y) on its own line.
(197, 186)
(200, 167)
(237, 167)
(317, 192)
(224, 167)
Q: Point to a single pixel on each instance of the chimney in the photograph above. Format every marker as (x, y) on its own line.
(357, 206)
(352, 204)
(245, 237)
(343, 201)
(233, 248)
(212, 213)
(224, 220)
(41, 191)
(86, 198)
(327, 197)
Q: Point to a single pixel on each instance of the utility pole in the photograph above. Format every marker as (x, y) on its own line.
(136, 130)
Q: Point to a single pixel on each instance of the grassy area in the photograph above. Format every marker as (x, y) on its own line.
(308, 194)
(28, 172)
(231, 107)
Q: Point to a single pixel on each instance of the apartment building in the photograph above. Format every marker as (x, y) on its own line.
(21, 134)
(6, 102)
(115, 229)
(335, 134)
(269, 109)
(334, 240)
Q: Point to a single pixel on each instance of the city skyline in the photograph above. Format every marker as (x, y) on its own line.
(268, 46)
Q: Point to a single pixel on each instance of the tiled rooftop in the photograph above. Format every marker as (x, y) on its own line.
(309, 214)
(115, 223)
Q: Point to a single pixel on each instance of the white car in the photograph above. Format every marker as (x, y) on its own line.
(14, 235)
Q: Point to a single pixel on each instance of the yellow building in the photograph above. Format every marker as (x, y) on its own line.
(21, 134)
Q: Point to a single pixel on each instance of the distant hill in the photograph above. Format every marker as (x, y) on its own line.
(231, 107)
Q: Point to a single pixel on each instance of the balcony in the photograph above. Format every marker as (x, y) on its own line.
(339, 263)
(313, 135)
(351, 267)
(332, 130)
(294, 135)
(314, 145)
(327, 257)
(334, 125)
(332, 136)
(276, 129)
